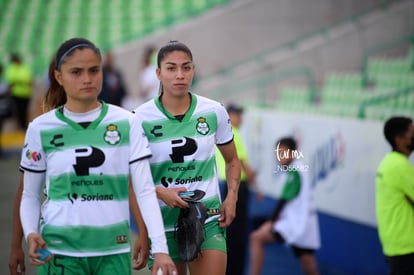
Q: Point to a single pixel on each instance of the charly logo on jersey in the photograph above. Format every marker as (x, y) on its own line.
(202, 126)
(87, 197)
(112, 135)
(156, 131)
(33, 155)
(57, 140)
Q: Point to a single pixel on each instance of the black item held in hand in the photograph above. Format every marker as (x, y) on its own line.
(189, 230)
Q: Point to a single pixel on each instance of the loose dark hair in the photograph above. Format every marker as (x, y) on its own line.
(56, 95)
(394, 127)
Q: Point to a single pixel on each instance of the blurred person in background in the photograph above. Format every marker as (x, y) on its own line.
(149, 83)
(237, 236)
(113, 87)
(19, 77)
(395, 197)
(5, 105)
(294, 220)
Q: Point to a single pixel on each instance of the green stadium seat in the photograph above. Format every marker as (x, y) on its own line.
(35, 28)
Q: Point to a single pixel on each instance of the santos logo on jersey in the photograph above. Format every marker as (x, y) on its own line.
(202, 126)
(112, 135)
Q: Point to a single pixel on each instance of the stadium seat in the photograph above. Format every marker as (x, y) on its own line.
(35, 28)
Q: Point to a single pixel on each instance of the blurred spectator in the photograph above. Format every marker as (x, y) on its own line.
(5, 106)
(237, 231)
(294, 220)
(148, 80)
(395, 197)
(19, 77)
(113, 87)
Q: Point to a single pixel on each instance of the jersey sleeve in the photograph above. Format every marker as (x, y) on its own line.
(224, 132)
(144, 188)
(30, 202)
(139, 148)
(33, 158)
(147, 199)
(292, 186)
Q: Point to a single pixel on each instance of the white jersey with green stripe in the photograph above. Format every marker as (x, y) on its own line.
(86, 210)
(298, 221)
(183, 149)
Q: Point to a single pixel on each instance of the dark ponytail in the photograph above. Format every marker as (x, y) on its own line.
(55, 95)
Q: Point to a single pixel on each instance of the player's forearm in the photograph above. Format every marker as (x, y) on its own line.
(136, 213)
(30, 202)
(148, 204)
(17, 235)
(233, 178)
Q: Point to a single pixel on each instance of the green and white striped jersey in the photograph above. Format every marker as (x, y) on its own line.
(86, 211)
(183, 150)
(298, 221)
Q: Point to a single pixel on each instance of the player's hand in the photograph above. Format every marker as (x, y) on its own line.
(163, 265)
(16, 261)
(228, 211)
(141, 253)
(171, 198)
(35, 241)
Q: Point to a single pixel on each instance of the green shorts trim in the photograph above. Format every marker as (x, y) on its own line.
(215, 239)
(99, 265)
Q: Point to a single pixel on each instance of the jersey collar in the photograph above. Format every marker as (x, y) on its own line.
(187, 115)
(75, 125)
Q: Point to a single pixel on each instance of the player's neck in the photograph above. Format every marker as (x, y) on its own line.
(82, 107)
(176, 105)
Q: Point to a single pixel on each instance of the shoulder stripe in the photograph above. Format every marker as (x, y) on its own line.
(225, 142)
(141, 158)
(22, 169)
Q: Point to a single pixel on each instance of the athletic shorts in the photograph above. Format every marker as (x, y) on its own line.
(402, 264)
(215, 239)
(297, 251)
(99, 265)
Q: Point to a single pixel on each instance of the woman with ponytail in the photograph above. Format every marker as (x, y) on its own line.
(83, 154)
